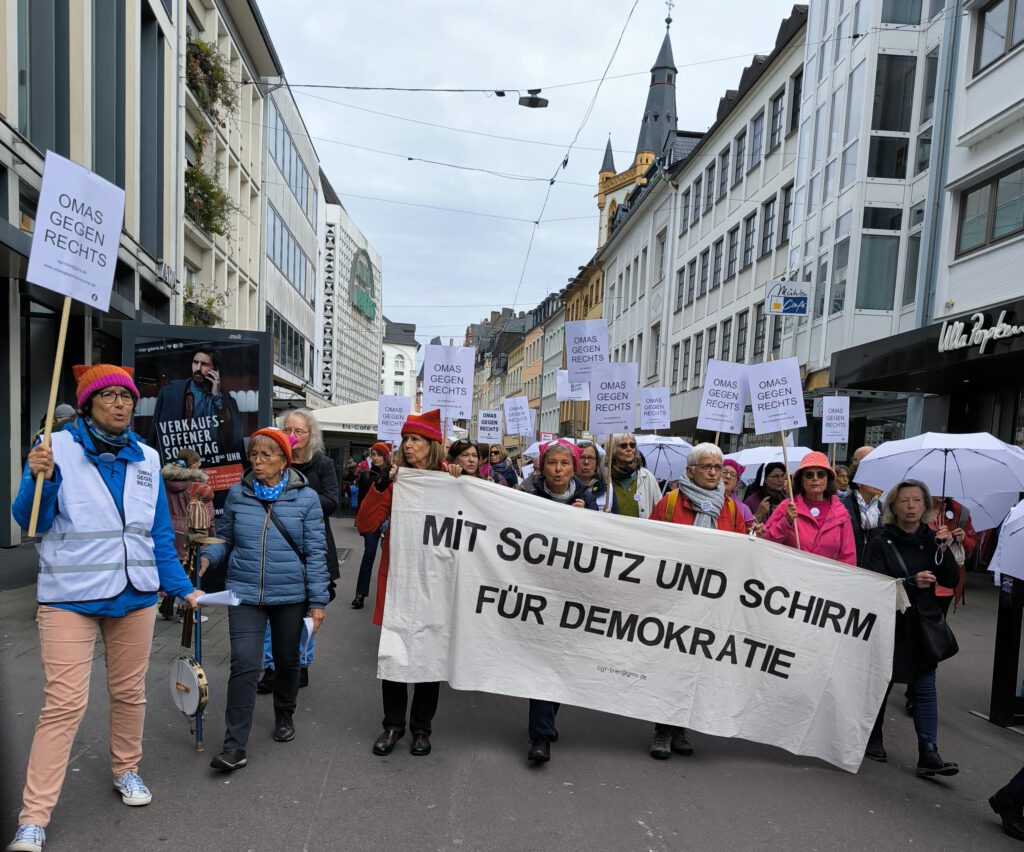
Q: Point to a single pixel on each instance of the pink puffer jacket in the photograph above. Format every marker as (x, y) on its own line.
(830, 536)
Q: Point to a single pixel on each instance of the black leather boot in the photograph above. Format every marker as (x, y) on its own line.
(1010, 812)
(929, 762)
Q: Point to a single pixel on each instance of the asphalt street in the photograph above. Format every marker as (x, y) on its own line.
(601, 791)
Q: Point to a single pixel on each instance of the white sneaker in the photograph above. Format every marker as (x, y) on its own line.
(133, 791)
(28, 838)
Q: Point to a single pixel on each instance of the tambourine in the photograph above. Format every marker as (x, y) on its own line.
(189, 688)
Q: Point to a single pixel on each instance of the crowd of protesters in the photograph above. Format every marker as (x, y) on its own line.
(114, 527)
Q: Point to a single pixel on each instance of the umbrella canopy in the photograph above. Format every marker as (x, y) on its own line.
(989, 510)
(965, 467)
(665, 455)
(754, 457)
(1009, 556)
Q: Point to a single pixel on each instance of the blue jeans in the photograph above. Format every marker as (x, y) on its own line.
(922, 692)
(305, 653)
(370, 543)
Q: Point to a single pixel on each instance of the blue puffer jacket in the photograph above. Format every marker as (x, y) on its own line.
(262, 567)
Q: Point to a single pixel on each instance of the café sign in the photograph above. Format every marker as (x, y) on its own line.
(963, 334)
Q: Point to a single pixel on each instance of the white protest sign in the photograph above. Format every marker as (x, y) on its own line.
(488, 426)
(835, 419)
(776, 395)
(391, 414)
(738, 638)
(586, 347)
(448, 380)
(654, 413)
(78, 230)
(724, 397)
(566, 391)
(613, 398)
(519, 416)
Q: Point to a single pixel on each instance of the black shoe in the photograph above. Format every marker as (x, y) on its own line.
(284, 728)
(420, 745)
(1009, 811)
(266, 683)
(929, 762)
(229, 760)
(876, 749)
(681, 745)
(357, 602)
(661, 745)
(909, 706)
(386, 741)
(540, 750)
(303, 676)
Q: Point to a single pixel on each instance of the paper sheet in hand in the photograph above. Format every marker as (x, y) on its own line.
(225, 598)
(308, 622)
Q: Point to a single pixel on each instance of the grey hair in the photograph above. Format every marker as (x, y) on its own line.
(316, 434)
(702, 451)
(888, 513)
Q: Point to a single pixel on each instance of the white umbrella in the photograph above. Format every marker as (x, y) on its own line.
(989, 510)
(665, 455)
(754, 457)
(962, 466)
(1009, 556)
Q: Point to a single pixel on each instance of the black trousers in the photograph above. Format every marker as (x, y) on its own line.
(247, 626)
(1016, 787)
(424, 705)
(371, 543)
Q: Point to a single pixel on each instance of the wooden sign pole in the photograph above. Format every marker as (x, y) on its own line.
(609, 493)
(58, 364)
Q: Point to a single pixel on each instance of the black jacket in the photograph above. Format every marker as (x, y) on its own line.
(504, 474)
(861, 536)
(366, 479)
(918, 551)
(323, 479)
(533, 486)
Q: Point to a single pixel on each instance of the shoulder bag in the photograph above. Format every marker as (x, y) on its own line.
(934, 638)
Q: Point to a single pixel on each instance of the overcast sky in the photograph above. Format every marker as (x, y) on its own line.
(443, 270)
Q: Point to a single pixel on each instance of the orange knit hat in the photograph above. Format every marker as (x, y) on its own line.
(94, 378)
(278, 437)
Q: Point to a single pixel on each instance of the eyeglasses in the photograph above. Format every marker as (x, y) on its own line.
(495, 452)
(291, 430)
(588, 459)
(628, 445)
(264, 457)
(112, 396)
(815, 474)
(709, 468)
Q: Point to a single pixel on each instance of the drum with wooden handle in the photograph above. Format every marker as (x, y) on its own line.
(189, 687)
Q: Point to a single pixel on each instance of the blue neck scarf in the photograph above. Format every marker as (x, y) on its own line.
(269, 493)
(113, 439)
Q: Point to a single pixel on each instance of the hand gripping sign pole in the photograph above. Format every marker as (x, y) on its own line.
(74, 252)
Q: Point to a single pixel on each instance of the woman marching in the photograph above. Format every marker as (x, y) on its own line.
(771, 491)
(380, 464)
(501, 471)
(464, 456)
(107, 546)
(634, 488)
(275, 546)
(907, 549)
(555, 480)
(590, 472)
(309, 458)
(420, 449)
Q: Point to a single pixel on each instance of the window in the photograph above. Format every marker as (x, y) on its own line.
(695, 216)
(840, 263)
(709, 187)
(818, 146)
(742, 321)
(726, 340)
(849, 171)
(835, 121)
(286, 254)
(883, 218)
(759, 331)
(662, 237)
(684, 219)
(675, 365)
(910, 272)
(716, 265)
(723, 173)
(739, 166)
(854, 103)
(290, 347)
(705, 264)
(775, 131)
(876, 279)
(628, 291)
(894, 93)
(796, 87)
(685, 369)
(756, 139)
(787, 214)
(1000, 29)
(698, 358)
(711, 334)
(399, 388)
(399, 364)
(286, 155)
(931, 68)
(901, 11)
(887, 157)
(733, 255)
(652, 355)
(992, 211)
(659, 256)
(680, 288)
(749, 230)
(691, 281)
(767, 226)
(923, 157)
(934, 7)
(776, 343)
(820, 286)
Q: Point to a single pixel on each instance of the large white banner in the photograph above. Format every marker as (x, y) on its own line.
(496, 590)
(776, 395)
(613, 398)
(586, 347)
(566, 391)
(654, 410)
(488, 426)
(77, 233)
(391, 413)
(835, 419)
(724, 397)
(448, 380)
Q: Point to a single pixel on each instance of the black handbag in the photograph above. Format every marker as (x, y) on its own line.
(932, 635)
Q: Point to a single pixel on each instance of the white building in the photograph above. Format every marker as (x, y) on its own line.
(398, 359)
(351, 325)
(554, 359)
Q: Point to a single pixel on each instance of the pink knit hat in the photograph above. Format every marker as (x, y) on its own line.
(561, 442)
(92, 379)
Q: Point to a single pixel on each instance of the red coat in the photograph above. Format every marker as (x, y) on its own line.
(373, 511)
(831, 537)
(730, 519)
(970, 545)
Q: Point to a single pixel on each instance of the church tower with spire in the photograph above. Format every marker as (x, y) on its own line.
(657, 132)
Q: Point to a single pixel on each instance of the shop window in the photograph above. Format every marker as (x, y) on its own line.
(840, 264)
(992, 211)
(883, 218)
(876, 280)
(901, 11)
(887, 157)
(894, 93)
(910, 273)
(1000, 30)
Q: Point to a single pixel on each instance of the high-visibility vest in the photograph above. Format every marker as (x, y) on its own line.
(91, 553)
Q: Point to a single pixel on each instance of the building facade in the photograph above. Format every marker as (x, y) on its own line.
(398, 359)
(583, 299)
(554, 360)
